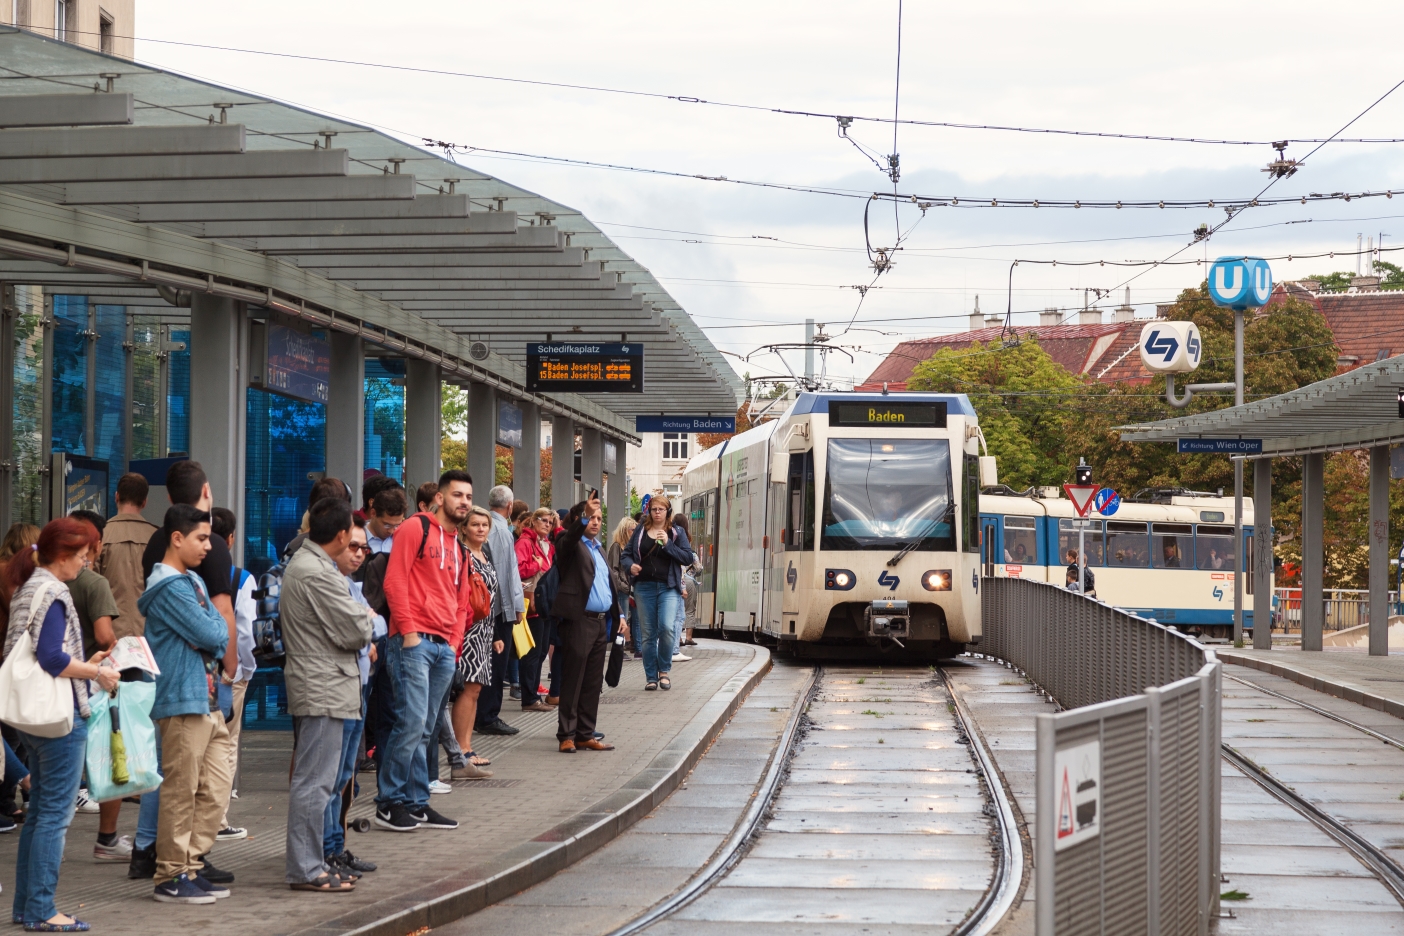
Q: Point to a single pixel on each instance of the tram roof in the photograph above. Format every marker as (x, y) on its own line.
(957, 403)
(1358, 409)
(115, 176)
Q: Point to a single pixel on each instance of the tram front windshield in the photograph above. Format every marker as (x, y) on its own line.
(888, 493)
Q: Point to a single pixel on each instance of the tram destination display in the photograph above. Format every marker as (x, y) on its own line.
(585, 367)
(895, 415)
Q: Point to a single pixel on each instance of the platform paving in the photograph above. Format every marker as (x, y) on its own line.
(1349, 673)
(538, 801)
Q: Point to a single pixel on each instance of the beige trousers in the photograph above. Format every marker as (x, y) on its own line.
(236, 727)
(195, 762)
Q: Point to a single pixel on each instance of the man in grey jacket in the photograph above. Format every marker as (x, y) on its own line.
(323, 629)
(507, 606)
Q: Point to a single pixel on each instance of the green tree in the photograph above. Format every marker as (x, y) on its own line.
(1391, 278)
(1019, 393)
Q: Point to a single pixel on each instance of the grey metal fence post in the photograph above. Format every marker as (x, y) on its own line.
(1153, 811)
(1207, 763)
(1045, 858)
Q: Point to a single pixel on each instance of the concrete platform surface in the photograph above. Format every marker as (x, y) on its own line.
(1375, 682)
(541, 812)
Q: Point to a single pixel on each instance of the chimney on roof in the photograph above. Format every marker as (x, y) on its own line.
(1310, 285)
(1089, 317)
(1050, 316)
(1365, 283)
(1124, 313)
(977, 321)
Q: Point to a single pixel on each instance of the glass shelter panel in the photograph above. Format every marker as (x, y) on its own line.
(69, 384)
(385, 416)
(27, 417)
(287, 442)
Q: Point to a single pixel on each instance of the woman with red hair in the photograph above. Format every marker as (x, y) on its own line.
(43, 607)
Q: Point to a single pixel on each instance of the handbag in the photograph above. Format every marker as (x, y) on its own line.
(30, 699)
(521, 635)
(129, 737)
(615, 667)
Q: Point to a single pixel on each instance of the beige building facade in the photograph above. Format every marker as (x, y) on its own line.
(105, 25)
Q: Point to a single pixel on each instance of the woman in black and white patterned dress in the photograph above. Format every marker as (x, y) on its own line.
(475, 656)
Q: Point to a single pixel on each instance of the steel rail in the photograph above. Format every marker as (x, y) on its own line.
(733, 848)
(1374, 859)
(1319, 711)
(1009, 866)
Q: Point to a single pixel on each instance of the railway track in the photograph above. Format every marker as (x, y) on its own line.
(870, 764)
(1374, 859)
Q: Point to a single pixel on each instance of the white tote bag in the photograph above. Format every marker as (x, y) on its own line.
(31, 700)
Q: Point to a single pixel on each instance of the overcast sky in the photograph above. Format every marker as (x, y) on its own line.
(1240, 71)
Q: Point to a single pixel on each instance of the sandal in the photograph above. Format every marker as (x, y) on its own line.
(650, 686)
(324, 884)
(477, 761)
(665, 683)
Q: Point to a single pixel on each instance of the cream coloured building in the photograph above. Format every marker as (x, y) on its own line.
(106, 25)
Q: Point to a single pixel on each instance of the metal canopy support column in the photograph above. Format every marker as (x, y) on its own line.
(526, 461)
(216, 398)
(346, 410)
(1262, 554)
(9, 310)
(423, 408)
(482, 440)
(562, 462)
(617, 499)
(1379, 550)
(1313, 559)
(591, 459)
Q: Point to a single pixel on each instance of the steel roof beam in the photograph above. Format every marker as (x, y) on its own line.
(121, 141)
(358, 187)
(262, 165)
(65, 110)
(469, 278)
(420, 206)
(479, 222)
(566, 257)
(523, 238)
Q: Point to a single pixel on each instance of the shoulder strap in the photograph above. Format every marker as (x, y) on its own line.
(424, 522)
(34, 603)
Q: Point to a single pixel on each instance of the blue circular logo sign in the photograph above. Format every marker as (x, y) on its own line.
(1107, 501)
(1240, 282)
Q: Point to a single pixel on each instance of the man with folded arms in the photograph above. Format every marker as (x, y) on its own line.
(324, 629)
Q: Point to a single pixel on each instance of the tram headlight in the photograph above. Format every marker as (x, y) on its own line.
(936, 580)
(839, 580)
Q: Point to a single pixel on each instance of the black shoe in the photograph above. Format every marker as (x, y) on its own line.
(7, 825)
(599, 736)
(515, 693)
(366, 765)
(214, 875)
(498, 727)
(352, 863)
(338, 867)
(396, 819)
(430, 819)
(143, 864)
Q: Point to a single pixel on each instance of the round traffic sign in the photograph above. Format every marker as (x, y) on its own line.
(1107, 501)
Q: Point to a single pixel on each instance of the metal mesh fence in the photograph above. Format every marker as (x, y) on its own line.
(1127, 826)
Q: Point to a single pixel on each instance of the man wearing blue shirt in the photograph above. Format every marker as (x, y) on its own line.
(585, 604)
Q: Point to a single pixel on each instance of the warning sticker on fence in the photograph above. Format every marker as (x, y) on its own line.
(1077, 772)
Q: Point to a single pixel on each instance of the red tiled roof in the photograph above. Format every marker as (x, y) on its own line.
(1081, 349)
(1367, 325)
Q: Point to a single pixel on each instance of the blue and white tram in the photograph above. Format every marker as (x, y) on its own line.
(1171, 559)
(852, 520)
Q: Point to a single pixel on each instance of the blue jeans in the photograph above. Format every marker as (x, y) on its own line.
(15, 771)
(420, 676)
(334, 836)
(150, 812)
(55, 766)
(658, 612)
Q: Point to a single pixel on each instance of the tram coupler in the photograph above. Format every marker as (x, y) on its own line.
(891, 619)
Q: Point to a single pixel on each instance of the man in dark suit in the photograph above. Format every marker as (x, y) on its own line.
(585, 604)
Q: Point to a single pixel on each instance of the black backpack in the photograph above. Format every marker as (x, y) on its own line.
(371, 574)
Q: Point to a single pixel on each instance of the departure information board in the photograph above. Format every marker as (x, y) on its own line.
(584, 367)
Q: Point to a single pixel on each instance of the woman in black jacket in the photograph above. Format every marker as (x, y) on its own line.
(656, 554)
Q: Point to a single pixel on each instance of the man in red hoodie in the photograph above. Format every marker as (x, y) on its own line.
(426, 586)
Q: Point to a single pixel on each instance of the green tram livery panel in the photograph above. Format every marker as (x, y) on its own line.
(851, 521)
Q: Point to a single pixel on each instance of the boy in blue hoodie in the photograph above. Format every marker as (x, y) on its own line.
(187, 636)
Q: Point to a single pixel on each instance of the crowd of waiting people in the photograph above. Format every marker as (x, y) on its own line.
(395, 635)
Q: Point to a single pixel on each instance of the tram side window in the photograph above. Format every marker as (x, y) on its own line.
(1067, 541)
(1127, 545)
(970, 504)
(800, 524)
(1213, 548)
(1172, 544)
(1020, 541)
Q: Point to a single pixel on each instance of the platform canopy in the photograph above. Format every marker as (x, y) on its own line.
(1358, 409)
(116, 178)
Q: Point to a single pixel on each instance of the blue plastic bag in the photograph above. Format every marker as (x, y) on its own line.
(134, 700)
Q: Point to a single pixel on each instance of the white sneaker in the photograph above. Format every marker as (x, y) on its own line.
(439, 786)
(681, 657)
(120, 850)
(84, 804)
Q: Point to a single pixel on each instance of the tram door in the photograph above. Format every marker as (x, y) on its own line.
(989, 544)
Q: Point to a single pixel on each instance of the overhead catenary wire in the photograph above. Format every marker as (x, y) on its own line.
(695, 100)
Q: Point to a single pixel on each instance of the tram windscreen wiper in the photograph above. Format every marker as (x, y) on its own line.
(902, 553)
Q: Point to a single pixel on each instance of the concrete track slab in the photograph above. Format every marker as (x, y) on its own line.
(860, 847)
(857, 909)
(949, 872)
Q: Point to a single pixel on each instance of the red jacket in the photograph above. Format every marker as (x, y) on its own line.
(427, 588)
(529, 557)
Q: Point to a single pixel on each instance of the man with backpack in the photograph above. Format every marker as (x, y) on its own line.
(427, 588)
